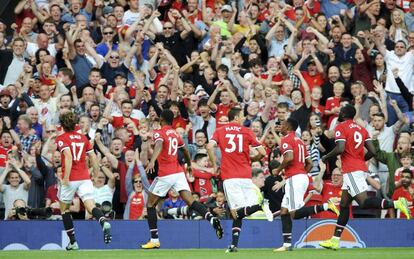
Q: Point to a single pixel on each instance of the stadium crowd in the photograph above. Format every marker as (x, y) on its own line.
(118, 63)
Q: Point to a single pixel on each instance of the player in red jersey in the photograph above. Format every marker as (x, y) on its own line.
(350, 141)
(75, 178)
(171, 175)
(296, 165)
(234, 141)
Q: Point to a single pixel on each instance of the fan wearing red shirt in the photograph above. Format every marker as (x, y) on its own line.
(171, 175)
(123, 121)
(179, 121)
(313, 8)
(333, 190)
(406, 190)
(314, 74)
(227, 101)
(333, 103)
(350, 140)
(202, 183)
(296, 165)
(6, 144)
(75, 177)
(234, 141)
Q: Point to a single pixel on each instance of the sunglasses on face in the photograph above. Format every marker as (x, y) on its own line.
(108, 33)
(137, 181)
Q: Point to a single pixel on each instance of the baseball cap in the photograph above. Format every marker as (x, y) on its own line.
(226, 8)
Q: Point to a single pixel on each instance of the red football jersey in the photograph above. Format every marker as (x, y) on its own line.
(234, 141)
(331, 191)
(136, 208)
(202, 184)
(168, 158)
(222, 111)
(331, 103)
(291, 143)
(401, 192)
(78, 145)
(4, 155)
(354, 136)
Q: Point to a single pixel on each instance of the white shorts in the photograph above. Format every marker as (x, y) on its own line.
(295, 189)
(161, 185)
(84, 189)
(241, 193)
(355, 183)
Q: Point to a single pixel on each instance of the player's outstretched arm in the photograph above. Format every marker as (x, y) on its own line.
(287, 159)
(155, 154)
(338, 149)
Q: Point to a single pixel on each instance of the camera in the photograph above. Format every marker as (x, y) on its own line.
(107, 210)
(34, 213)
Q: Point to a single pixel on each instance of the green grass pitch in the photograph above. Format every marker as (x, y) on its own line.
(369, 253)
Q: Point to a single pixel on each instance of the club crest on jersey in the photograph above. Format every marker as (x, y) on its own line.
(156, 135)
(323, 230)
(60, 143)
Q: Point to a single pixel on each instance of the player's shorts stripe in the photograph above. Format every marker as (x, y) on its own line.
(354, 185)
(154, 183)
(225, 193)
(292, 194)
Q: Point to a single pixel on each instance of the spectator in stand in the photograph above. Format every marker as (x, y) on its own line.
(205, 121)
(15, 190)
(332, 190)
(391, 159)
(201, 176)
(218, 205)
(135, 185)
(272, 189)
(333, 103)
(171, 205)
(406, 190)
(12, 62)
(406, 161)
